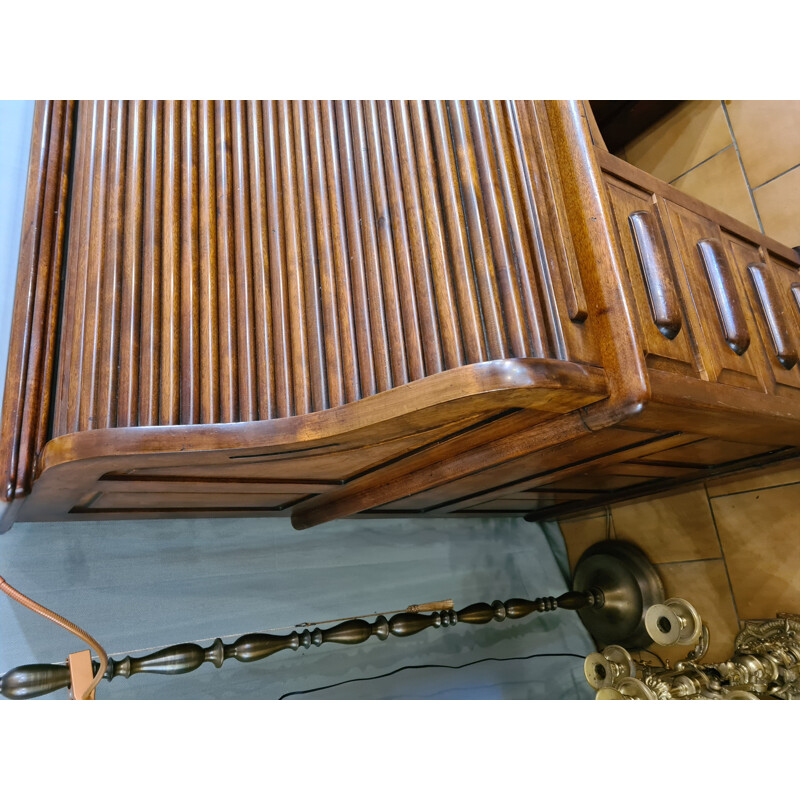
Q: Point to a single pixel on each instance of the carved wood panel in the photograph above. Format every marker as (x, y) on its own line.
(667, 337)
(724, 332)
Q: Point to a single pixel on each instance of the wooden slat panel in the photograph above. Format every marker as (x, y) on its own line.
(26, 405)
(455, 226)
(478, 235)
(505, 272)
(94, 305)
(404, 347)
(349, 248)
(331, 338)
(501, 119)
(346, 288)
(281, 353)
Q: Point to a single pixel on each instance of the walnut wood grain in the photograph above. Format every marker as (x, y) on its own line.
(240, 297)
(729, 307)
(654, 263)
(775, 313)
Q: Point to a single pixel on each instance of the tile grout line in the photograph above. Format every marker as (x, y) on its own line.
(724, 560)
(775, 177)
(700, 163)
(759, 489)
(741, 166)
(687, 561)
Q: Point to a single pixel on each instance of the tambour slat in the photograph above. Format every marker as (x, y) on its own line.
(69, 316)
(48, 382)
(228, 375)
(279, 291)
(530, 222)
(446, 303)
(189, 269)
(478, 233)
(308, 260)
(150, 347)
(425, 297)
(294, 271)
(371, 343)
(375, 211)
(110, 283)
(75, 368)
(344, 286)
(170, 381)
(327, 289)
(402, 251)
(94, 304)
(208, 275)
(466, 291)
(262, 311)
(248, 409)
(45, 294)
(506, 274)
(128, 392)
(499, 116)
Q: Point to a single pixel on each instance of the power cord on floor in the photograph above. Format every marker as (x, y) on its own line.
(429, 666)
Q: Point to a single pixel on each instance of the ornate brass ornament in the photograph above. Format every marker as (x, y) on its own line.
(765, 664)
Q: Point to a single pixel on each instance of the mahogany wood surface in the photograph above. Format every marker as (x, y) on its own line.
(320, 309)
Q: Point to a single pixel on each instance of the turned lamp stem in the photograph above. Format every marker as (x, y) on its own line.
(34, 680)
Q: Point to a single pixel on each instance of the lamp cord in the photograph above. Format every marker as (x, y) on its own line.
(64, 623)
(428, 666)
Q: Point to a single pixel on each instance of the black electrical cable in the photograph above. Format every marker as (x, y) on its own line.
(428, 666)
(642, 650)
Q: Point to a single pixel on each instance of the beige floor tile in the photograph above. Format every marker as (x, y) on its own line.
(760, 535)
(670, 527)
(768, 135)
(779, 207)
(761, 478)
(580, 532)
(720, 183)
(705, 585)
(691, 133)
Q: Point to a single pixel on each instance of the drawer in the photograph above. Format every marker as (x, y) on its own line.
(658, 298)
(768, 287)
(727, 335)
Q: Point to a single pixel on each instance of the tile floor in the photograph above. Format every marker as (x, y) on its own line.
(731, 547)
(741, 156)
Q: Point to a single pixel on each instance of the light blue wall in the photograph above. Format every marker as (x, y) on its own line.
(137, 586)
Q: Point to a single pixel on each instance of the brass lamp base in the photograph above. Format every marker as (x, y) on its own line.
(629, 585)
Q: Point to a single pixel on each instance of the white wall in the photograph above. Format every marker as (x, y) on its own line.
(137, 586)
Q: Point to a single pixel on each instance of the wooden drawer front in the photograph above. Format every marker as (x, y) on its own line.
(768, 288)
(659, 303)
(726, 333)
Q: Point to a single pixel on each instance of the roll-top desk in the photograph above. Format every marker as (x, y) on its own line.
(322, 309)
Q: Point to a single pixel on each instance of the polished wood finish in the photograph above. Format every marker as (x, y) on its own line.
(320, 309)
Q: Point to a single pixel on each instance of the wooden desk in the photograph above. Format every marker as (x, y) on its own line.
(327, 309)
